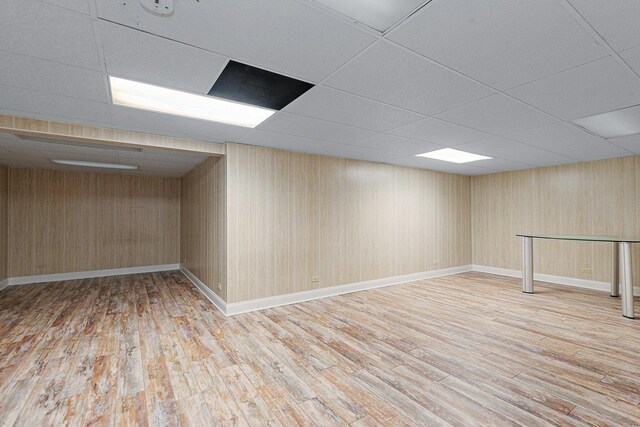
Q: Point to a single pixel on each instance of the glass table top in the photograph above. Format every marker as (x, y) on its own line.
(623, 239)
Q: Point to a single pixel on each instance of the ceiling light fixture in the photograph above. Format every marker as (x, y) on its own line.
(454, 156)
(380, 15)
(95, 164)
(614, 123)
(155, 98)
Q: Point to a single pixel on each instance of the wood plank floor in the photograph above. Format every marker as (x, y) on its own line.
(469, 349)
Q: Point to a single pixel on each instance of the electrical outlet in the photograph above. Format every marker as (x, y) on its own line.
(219, 286)
(586, 270)
(315, 279)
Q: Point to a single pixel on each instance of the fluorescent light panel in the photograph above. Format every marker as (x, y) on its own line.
(377, 14)
(613, 124)
(95, 164)
(155, 98)
(454, 156)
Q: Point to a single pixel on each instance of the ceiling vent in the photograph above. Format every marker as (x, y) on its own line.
(255, 86)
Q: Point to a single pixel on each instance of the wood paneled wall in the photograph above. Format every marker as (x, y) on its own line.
(4, 222)
(203, 225)
(63, 222)
(601, 197)
(293, 216)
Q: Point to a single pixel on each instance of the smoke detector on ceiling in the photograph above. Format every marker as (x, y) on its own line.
(158, 7)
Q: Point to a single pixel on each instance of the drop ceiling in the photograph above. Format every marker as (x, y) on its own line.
(500, 78)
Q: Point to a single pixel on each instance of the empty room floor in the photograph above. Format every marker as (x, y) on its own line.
(461, 350)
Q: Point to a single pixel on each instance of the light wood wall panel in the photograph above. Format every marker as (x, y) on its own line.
(601, 197)
(4, 222)
(63, 222)
(293, 216)
(203, 225)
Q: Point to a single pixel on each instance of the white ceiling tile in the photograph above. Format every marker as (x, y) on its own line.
(397, 144)
(592, 150)
(515, 151)
(170, 125)
(280, 35)
(590, 89)
(40, 74)
(439, 132)
(630, 143)
(50, 106)
(553, 136)
(363, 153)
(498, 115)
(615, 20)
(503, 43)
(632, 58)
(81, 6)
(300, 144)
(309, 127)
(390, 74)
(42, 30)
(143, 57)
(339, 107)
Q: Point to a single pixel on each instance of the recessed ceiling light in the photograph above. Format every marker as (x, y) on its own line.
(613, 124)
(377, 14)
(95, 164)
(454, 156)
(155, 98)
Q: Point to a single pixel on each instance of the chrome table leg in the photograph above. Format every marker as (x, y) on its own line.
(527, 265)
(615, 270)
(627, 281)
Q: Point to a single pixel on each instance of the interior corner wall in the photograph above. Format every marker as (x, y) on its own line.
(203, 224)
(62, 222)
(599, 198)
(293, 216)
(4, 223)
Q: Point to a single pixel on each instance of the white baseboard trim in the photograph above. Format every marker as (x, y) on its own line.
(231, 309)
(208, 293)
(280, 300)
(26, 280)
(559, 280)
(4, 283)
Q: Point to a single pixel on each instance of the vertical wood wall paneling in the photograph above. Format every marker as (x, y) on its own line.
(62, 222)
(203, 223)
(600, 197)
(4, 222)
(293, 216)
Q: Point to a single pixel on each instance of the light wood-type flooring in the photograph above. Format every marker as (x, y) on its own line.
(468, 349)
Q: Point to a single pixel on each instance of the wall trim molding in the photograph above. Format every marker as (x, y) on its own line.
(27, 280)
(208, 293)
(558, 280)
(297, 297)
(4, 283)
